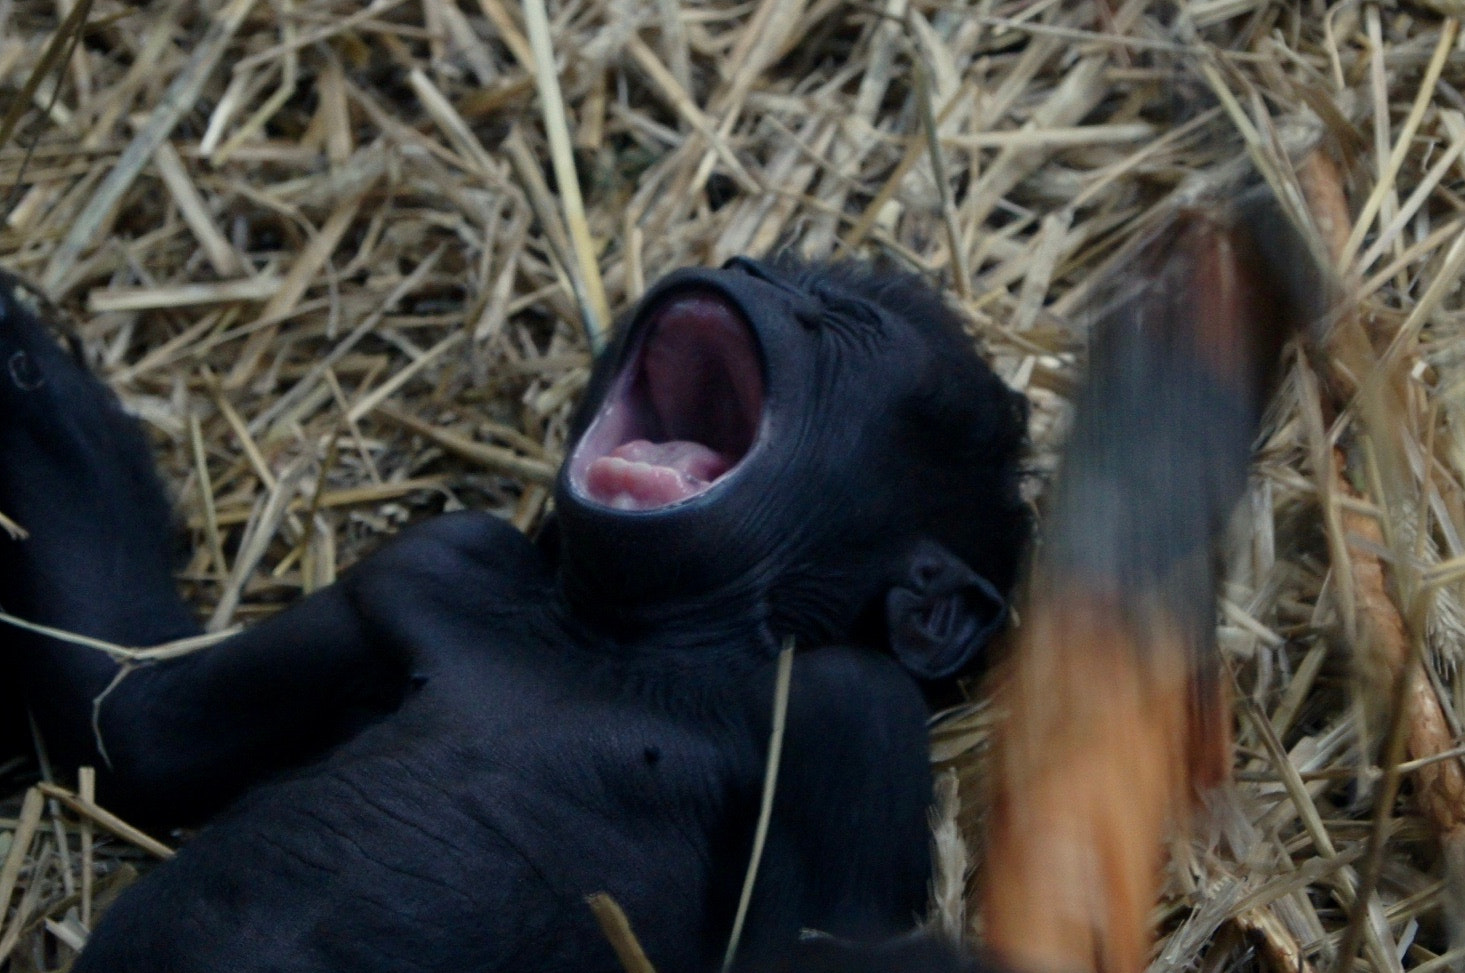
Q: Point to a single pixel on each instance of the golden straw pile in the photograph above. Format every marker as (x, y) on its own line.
(345, 260)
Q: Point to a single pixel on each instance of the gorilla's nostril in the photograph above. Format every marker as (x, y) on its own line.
(806, 306)
(24, 372)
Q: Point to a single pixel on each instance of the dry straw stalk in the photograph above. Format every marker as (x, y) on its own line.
(317, 247)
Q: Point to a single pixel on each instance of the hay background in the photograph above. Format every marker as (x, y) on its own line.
(339, 293)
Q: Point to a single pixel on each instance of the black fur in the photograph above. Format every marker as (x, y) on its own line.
(430, 764)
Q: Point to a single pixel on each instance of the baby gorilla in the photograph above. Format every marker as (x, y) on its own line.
(431, 763)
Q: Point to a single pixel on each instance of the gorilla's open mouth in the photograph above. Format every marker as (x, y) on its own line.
(682, 414)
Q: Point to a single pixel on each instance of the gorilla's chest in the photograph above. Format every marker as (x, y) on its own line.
(440, 819)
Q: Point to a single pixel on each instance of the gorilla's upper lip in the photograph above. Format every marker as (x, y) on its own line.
(683, 412)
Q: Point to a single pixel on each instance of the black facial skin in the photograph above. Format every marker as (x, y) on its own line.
(430, 764)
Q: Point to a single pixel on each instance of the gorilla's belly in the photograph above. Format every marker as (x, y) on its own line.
(455, 857)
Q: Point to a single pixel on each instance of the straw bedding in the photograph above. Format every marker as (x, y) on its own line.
(346, 262)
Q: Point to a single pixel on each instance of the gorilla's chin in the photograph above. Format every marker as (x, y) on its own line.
(684, 411)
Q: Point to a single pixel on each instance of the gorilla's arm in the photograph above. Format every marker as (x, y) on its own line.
(848, 849)
(175, 740)
(184, 736)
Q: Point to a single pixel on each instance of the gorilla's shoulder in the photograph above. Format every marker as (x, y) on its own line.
(467, 558)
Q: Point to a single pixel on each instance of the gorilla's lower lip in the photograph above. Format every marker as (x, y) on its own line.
(683, 413)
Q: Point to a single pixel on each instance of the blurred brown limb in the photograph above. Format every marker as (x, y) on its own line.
(1090, 779)
(1117, 714)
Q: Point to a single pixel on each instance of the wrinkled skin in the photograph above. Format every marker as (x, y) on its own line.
(429, 764)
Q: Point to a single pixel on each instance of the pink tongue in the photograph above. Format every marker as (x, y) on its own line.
(640, 475)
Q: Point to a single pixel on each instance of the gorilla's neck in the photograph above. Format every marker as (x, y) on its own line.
(736, 618)
(815, 608)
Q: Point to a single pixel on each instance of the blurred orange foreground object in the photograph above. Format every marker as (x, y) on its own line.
(1116, 711)
(1091, 775)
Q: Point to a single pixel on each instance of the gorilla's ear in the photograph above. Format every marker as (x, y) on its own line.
(942, 614)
